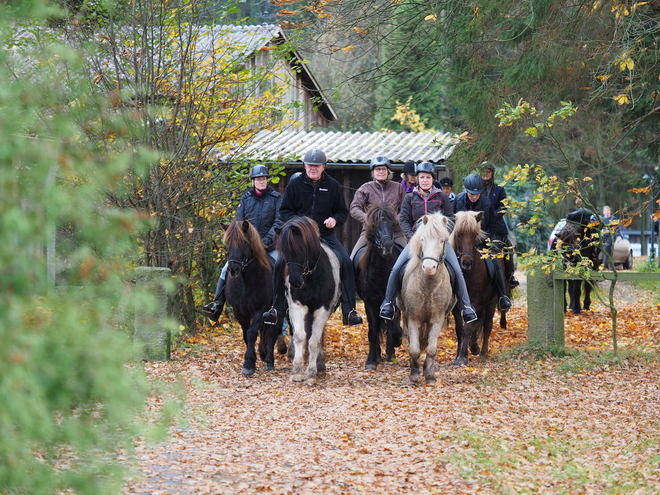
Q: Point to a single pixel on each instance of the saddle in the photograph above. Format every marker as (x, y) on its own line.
(450, 270)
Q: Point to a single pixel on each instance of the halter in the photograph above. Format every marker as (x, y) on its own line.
(378, 241)
(305, 268)
(246, 261)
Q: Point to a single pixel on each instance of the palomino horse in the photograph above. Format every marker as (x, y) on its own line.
(577, 242)
(248, 266)
(374, 266)
(426, 296)
(465, 239)
(312, 284)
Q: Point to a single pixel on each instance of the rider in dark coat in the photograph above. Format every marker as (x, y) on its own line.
(260, 205)
(318, 196)
(473, 199)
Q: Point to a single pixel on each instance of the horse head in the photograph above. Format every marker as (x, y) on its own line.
(300, 245)
(379, 227)
(466, 237)
(243, 247)
(429, 242)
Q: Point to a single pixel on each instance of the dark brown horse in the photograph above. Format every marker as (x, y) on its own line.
(371, 274)
(466, 239)
(578, 244)
(248, 267)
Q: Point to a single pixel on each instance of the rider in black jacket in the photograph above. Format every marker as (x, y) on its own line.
(318, 196)
(261, 206)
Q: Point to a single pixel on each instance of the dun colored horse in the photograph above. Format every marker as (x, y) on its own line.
(426, 296)
(373, 269)
(465, 239)
(248, 291)
(312, 284)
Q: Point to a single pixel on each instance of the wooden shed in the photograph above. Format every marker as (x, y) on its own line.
(349, 156)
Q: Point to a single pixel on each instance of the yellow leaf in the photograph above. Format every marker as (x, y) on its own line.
(621, 99)
(431, 17)
(347, 48)
(604, 78)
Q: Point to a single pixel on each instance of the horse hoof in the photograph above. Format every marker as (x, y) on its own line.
(298, 378)
(460, 362)
(370, 367)
(320, 374)
(391, 359)
(311, 382)
(475, 350)
(269, 367)
(430, 382)
(415, 379)
(248, 371)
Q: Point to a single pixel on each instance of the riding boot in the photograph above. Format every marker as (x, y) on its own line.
(510, 270)
(279, 302)
(504, 301)
(468, 314)
(388, 306)
(213, 310)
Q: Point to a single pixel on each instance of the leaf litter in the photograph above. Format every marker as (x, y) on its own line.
(514, 423)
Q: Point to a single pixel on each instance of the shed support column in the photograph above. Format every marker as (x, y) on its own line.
(152, 337)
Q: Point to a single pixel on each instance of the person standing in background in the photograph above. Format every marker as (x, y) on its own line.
(610, 233)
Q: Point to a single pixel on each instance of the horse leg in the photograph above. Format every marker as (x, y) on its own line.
(414, 351)
(587, 295)
(487, 329)
(250, 337)
(431, 352)
(473, 331)
(374, 322)
(315, 345)
(298, 339)
(461, 339)
(269, 335)
(574, 293)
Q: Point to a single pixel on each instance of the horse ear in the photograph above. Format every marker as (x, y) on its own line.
(479, 216)
(245, 225)
(223, 226)
(425, 219)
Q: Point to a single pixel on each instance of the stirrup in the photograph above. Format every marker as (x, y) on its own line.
(504, 303)
(469, 314)
(513, 282)
(270, 316)
(387, 311)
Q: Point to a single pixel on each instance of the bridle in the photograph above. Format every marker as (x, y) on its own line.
(306, 270)
(439, 260)
(246, 261)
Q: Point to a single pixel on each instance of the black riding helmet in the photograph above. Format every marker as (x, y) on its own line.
(486, 165)
(446, 181)
(379, 161)
(410, 167)
(426, 167)
(259, 171)
(474, 184)
(315, 157)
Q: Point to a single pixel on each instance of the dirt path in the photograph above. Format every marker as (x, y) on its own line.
(504, 425)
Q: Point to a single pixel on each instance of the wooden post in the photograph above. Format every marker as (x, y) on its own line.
(152, 337)
(545, 311)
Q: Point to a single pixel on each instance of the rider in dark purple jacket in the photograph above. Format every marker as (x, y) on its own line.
(424, 200)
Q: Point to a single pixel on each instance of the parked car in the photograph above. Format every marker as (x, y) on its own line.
(622, 253)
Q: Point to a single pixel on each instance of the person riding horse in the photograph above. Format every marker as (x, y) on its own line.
(474, 199)
(381, 190)
(425, 199)
(500, 235)
(318, 196)
(260, 204)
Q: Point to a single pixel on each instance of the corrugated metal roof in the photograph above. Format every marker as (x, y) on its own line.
(241, 41)
(346, 147)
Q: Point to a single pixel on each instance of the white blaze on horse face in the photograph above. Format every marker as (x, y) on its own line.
(432, 253)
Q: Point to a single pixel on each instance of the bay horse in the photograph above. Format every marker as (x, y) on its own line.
(312, 285)
(371, 274)
(466, 237)
(426, 296)
(578, 243)
(249, 292)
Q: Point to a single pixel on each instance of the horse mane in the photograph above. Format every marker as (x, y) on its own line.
(581, 242)
(241, 232)
(299, 235)
(465, 222)
(376, 214)
(433, 225)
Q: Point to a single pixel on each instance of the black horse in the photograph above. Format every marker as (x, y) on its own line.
(578, 243)
(372, 271)
(249, 291)
(312, 284)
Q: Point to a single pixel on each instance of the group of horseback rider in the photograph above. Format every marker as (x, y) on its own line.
(318, 196)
